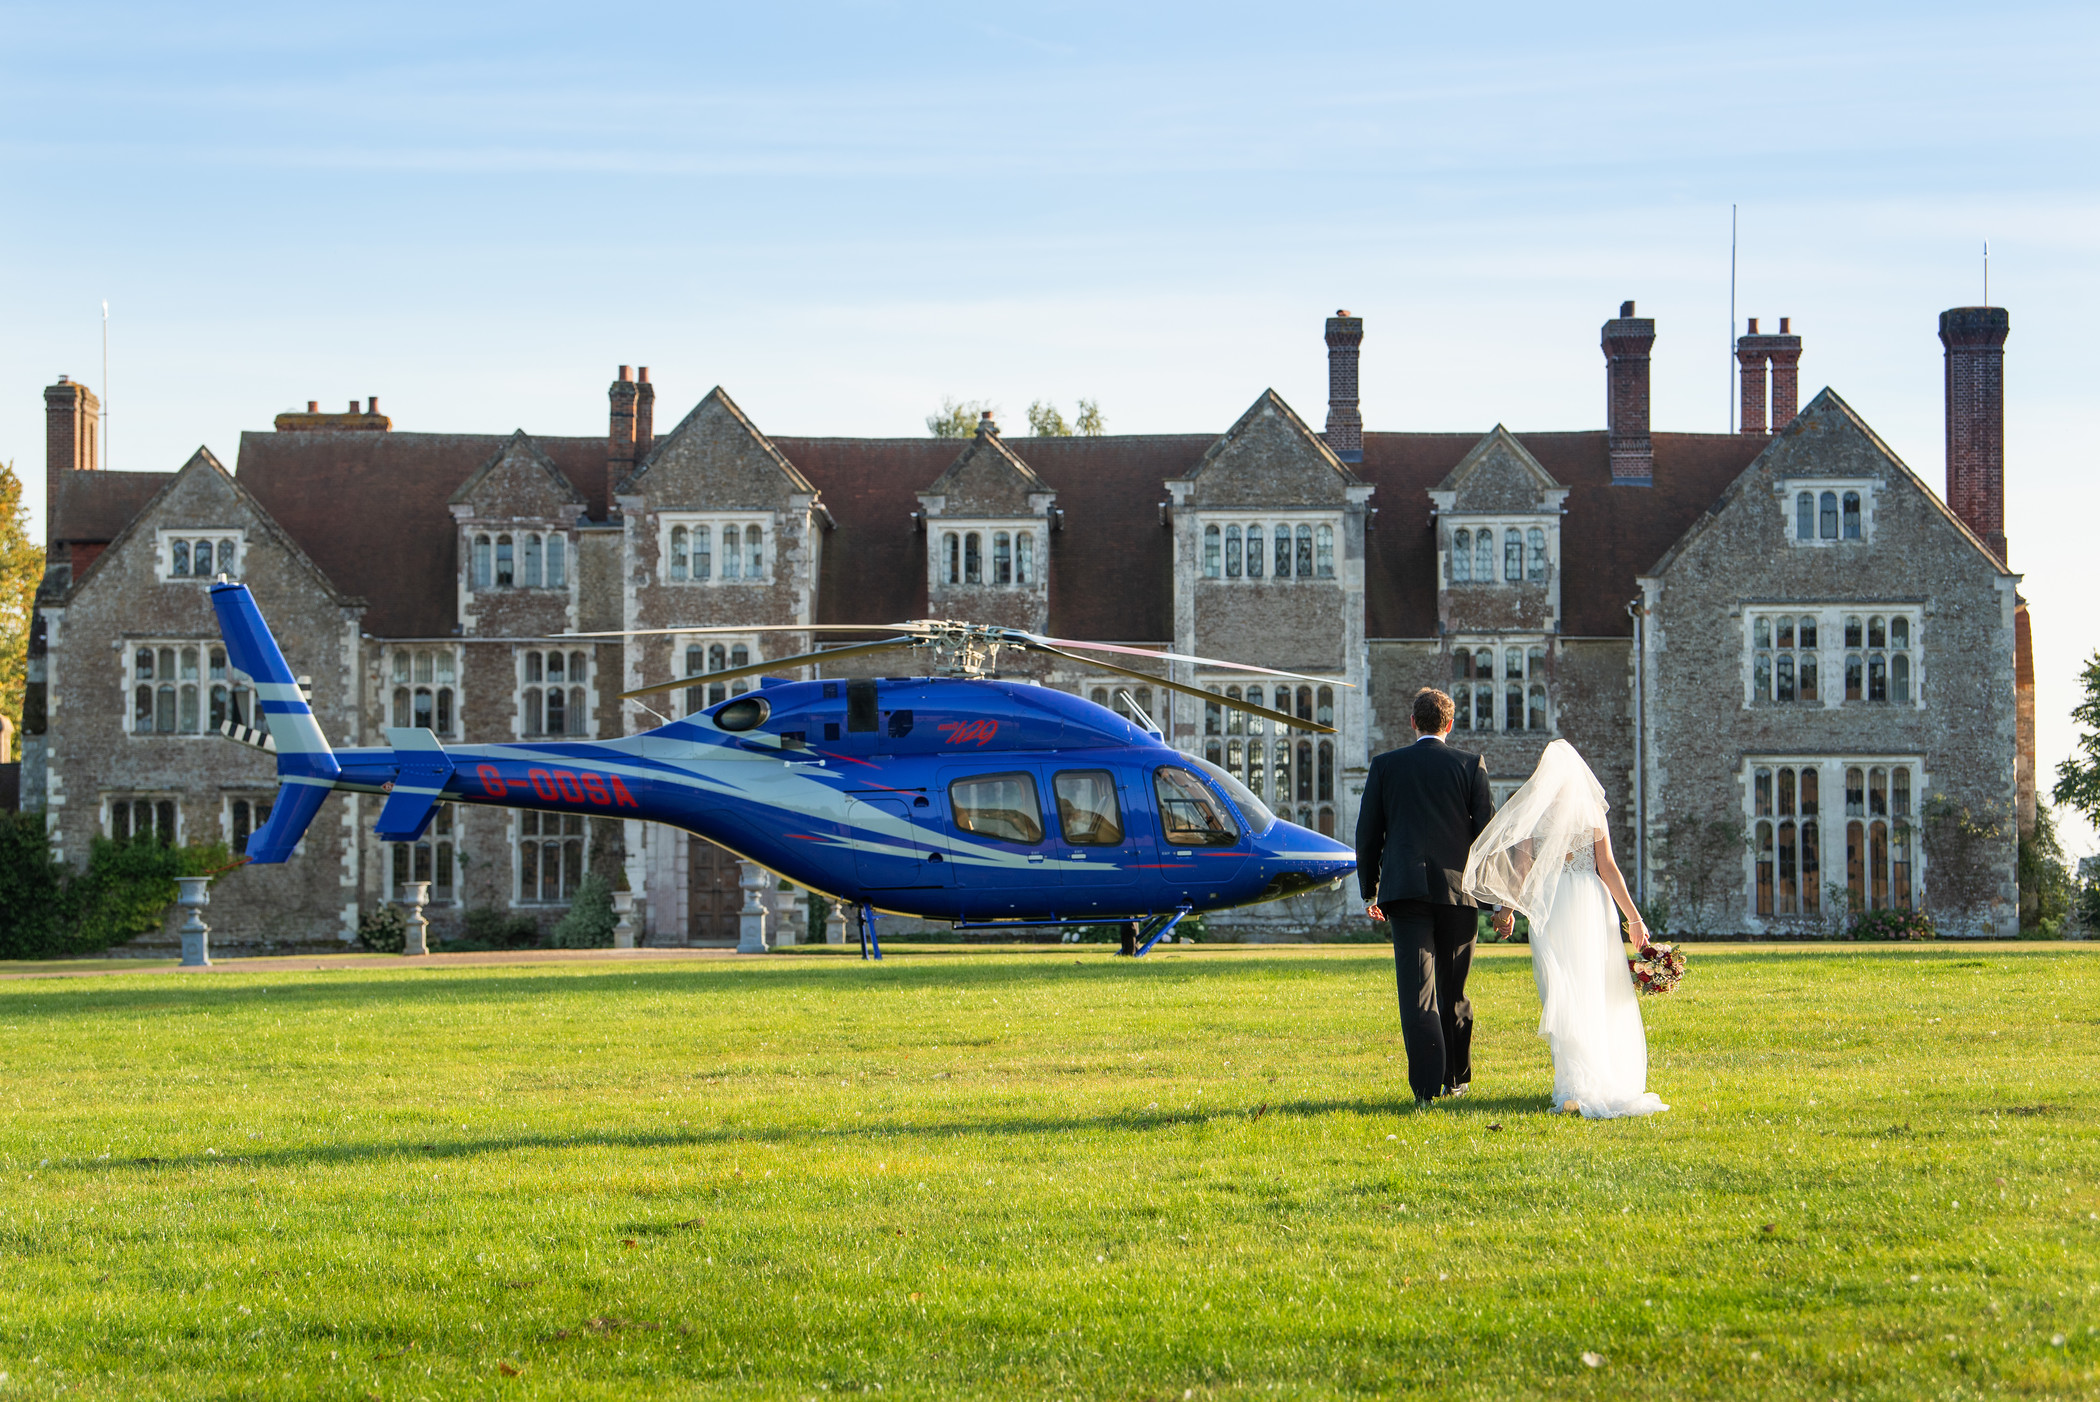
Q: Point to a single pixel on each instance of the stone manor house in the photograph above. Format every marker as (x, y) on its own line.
(1776, 647)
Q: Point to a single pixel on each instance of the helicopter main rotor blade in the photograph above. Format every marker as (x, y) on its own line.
(765, 628)
(1183, 657)
(1210, 696)
(772, 665)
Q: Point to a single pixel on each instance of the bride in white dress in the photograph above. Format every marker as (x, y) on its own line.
(1547, 853)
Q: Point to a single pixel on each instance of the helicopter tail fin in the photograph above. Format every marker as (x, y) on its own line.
(306, 767)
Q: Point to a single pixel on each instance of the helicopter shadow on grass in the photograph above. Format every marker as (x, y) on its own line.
(1397, 1109)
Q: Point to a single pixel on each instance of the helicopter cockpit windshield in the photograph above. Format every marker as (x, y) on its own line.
(1259, 818)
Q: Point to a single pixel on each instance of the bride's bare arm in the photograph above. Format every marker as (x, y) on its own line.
(1608, 872)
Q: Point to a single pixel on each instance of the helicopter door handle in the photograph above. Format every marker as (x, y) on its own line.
(1035, 859)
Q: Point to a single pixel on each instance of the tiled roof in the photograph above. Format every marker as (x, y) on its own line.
(94, 506)
(1610, 533)
(371, 510)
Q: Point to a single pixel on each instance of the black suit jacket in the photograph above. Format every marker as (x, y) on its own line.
(1421, 810)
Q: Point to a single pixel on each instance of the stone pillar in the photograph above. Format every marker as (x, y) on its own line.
(751, 920)
(623, 926)
(193, 894)
(415, 895)
(835, 924)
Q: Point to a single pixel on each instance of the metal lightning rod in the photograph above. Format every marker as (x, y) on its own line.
(105, 384)
(1731, 318)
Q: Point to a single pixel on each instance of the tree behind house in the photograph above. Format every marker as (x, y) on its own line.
(21, 568)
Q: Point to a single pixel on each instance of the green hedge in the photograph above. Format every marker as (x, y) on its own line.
(49, 911)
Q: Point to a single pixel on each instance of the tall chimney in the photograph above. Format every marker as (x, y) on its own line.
(1785, 351)
(1975, 342)
(644, 414)
(1750, 354)
(1345, 425)
(70, 421)
(619, 445)
(1627, 341)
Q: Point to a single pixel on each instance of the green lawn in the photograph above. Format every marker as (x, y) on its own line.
(1044, 1173)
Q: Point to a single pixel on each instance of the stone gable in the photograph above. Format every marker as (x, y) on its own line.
(1269, 458)
(1499, 475)
(989, 479)
(716, 458)
(519, 483)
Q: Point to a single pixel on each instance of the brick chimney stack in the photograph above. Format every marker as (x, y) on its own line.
(1782, 353)
(1785, 350)
(644, 413)
(1750, 355)
(1975, 342)
(71, 418)
(1627, 341)
(1345, 425)
(619, 444)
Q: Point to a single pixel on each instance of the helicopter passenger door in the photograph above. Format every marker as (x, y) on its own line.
(1098, 837)
(1001, 849)
(894, 847)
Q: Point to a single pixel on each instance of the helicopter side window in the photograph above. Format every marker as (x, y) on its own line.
(1086, 808)
(1190, 813)
(1004, 806)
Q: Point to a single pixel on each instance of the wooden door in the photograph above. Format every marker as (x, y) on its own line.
(713, 897)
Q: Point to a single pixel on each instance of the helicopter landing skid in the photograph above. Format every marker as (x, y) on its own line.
(1159, 932)
(869, 940)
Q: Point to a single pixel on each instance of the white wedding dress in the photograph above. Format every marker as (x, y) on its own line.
(1589, 1013)
(1538, 855)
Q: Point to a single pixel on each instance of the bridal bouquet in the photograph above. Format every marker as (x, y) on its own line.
(1658, 968)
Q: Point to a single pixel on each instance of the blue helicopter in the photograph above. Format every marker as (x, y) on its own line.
(985, 803)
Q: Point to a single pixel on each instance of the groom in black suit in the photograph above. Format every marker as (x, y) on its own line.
(1422, 808)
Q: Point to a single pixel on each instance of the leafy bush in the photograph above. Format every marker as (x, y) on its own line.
(489, 928)
(48, 911)
(590, 920)
(1892, 925)
(384, 930)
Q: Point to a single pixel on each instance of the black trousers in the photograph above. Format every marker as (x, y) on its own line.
(1432, 952)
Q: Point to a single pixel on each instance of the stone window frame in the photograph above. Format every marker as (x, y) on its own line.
(717, 522)
(1884, 869)
(439, 850)
(1267, 755)
(569, 841)
(1902, 667)
(191, 701)
(164, 805)
(1532, 536)
(1315, 536)
(166, 538)
(1787, 492)
(695, 699)
(949, 541)
(242, 813)
(398, 695)
(1534, 653)
(579, 700)
(537, 554)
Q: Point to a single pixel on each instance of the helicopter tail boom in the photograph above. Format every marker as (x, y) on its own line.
(306, 766)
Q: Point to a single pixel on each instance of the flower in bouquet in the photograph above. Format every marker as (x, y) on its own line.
(1657, 969)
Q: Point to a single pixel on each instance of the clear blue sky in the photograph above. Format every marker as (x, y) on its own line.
(843, 212)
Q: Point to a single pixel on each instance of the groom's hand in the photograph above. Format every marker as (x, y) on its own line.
(1371, 909)
(1504, 921)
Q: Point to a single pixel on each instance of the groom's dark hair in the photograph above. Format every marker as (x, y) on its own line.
(1433, 711)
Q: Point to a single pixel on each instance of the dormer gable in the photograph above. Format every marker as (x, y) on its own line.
(520, 482)
(988, 479)
(1269, 458)
(717, 456)
(1498, 474)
